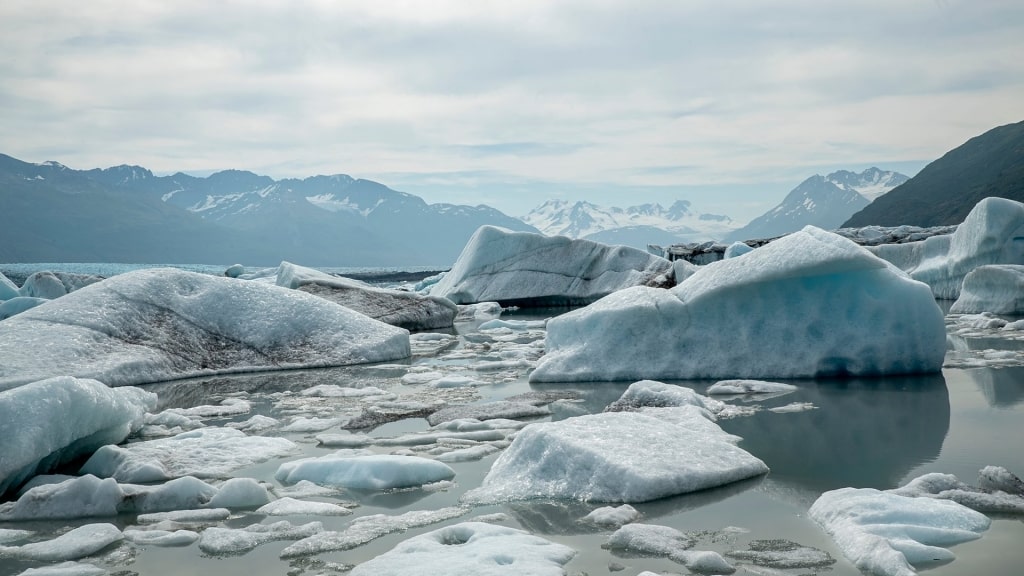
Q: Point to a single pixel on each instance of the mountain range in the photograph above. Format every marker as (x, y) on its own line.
(635, 226)
(944, 191)
(53, 213)
(822, 201)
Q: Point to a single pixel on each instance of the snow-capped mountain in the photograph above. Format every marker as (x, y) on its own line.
(239, 216)
(822, 201)
(633, 226)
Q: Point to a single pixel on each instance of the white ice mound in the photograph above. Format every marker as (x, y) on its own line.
(18, 304)
(470, 549)
(994, 288)
(50, 285)
(162, 324)
(527, 269)
(992, 233)
(371, 472)
(203, 453)
(617, 457)
(78, 543)
(51, 422)
(408, 310)
(886, 534)
(809, 304)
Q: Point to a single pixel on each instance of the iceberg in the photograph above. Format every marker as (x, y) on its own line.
(992, 233)
(471, 549)
(370, 472)
(527, 269)
(886, 533)
(52, 422)
(617, 457)
(409, 310)
(810, 304)
(994, 288)
(18, 304)
(163, 324)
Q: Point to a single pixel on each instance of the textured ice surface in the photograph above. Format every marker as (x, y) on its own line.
(291, 507)
(68, 568)
(809, 304)
(783, 555)
(653, 540)
(8, 289)
(726, 387)
(203, 453)
(161, 537)
(367, 529)
(992, 233)
(185, 516)
(50, 285)
(736, 249)
(230, 541)
(886, 534)
(470, 549)
(527, 269)
(78, 543)
(51, 422)
(613, 516)
(240, 493)
(998, 491)
(371, 472)
(18, 304)
(502, 409)
(652, 394)
(995, 288)
(479, 311)
(617, 457)
(162, 324)
(396, 307)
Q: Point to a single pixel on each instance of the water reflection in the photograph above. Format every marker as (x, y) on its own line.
(865, 432)
(1001, 387)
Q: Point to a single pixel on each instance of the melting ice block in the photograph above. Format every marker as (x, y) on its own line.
(161, 324)
(396, 307)
(78, 543)
(807, 305)
(995, 288)
(51, 422)
(992, 233)
(886, 534)
(527, 269)
(371, 472)
(617, 457)
(470, 549)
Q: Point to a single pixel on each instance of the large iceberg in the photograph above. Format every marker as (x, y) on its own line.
(408, 310)
(992, 233)
(618, 457)
(527, 269)
(162, 324)
(809, 304)
(471, 549)
(994, 288)
(52, 422)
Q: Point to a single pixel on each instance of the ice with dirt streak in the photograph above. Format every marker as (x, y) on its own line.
(810, 304)
(470, 549)
(163, 324)
(619, 456)
(55, 421)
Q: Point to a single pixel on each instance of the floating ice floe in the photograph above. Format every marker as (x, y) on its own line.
(886, 534)
(232, 541)
(499, 409)
(470, 549)
(78, 543)
(291, 507)
(203, 453)
(68, 568)
(653, 540)
(165, 538)
(617, 457)
(794, 407)
(227, 407)
(52, 422)
(365, 472)
(727, 387)
(367, 529)
(408, 310)
(162, 324)
(185, 516)
(335, 391)
(479, 311)
(807, 305)
(988, 235)
(998, 491)
(997, 289)
(527, 269)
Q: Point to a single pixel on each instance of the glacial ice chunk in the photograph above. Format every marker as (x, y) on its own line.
(162, 324)
(291, 507)
(809, 304)
(528, 269)
(8, 289)
(78, 543)
(371, 472)
(18, 304)
(51, 285)
(617, 457)
(52, 422)
(233, 541)
(998, 289)
(470, 549)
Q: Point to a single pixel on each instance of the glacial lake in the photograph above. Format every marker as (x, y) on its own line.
(877, 433)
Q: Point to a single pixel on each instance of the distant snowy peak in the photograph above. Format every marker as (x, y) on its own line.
(870, 183)
(584, 219)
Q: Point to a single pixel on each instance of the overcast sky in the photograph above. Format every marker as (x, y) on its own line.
(727, 104)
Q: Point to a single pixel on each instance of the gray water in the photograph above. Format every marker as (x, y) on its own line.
(876, 433)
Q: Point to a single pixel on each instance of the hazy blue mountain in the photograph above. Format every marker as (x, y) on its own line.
(127, 214)
(991, 164)
(822, 201)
